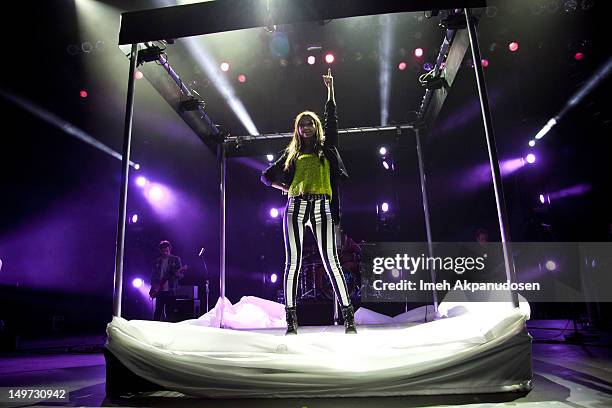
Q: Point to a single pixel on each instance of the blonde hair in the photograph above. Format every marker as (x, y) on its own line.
(295, 146)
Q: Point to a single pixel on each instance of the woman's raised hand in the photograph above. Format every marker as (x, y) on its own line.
(328, 79)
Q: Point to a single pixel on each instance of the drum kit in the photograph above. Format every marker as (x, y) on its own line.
(313, 282)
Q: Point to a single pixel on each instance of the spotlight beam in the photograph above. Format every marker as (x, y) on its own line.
(62, 124)
(597, 78)
(385, 45)
(199, 52)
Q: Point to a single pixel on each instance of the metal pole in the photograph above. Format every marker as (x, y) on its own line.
(125, 169)
(222, 160)
(502, 214)
(417, 133)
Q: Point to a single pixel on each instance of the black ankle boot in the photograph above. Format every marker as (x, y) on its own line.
(349, 319)
(292, 324)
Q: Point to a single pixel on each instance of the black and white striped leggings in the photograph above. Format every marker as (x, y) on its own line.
(316, 214)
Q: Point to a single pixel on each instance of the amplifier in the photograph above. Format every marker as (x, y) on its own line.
(187, 292)
(183, 309)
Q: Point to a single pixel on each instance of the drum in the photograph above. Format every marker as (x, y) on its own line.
(327, 291)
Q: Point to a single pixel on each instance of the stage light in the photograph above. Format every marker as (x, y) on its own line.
(311, 60)
(551, 265)
(385, 165)
(384, 207)
(273, 278)
(485, 62)
(156, 193)
(402, 66)
(418, 52)
(138, 75)
(137, 282)
(383, 151)
(134, 218)
(136, 166)
(141, 181)
(225, 66)
(530, 158)
(273, 213)
(513, 46)
(395, 273)
(532, 143)
(578, 56)
(329, 58)
(549, 125)
(83, 93)
(270, 157)
(242, 78)
(542, 199)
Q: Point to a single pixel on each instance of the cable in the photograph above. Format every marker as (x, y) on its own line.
(423, 77)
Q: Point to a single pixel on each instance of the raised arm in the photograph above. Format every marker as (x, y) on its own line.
(331, 118)
(328, 80)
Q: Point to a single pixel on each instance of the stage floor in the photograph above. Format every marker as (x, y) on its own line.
(564, 375)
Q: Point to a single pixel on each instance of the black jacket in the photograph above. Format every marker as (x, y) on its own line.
(275, 172)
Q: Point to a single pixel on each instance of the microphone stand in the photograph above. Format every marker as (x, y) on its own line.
(201, 255)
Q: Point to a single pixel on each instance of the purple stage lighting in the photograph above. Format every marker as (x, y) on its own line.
(551, 265)
(542, 199)
(273, 278)
(137, 283)
(383, 151)
(530, 158)
(163, 200)
(384, 207)
(141, 181)
(270, 157)
(156, 193)
(385, 165)
(134, 218)
(273, 213)
(507, 166)
(578, 189)
(137, 166)
(531, 143)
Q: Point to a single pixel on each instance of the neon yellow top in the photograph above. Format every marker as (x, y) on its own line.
(311, 176)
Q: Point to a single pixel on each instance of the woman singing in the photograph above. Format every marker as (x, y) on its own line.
(309, 171)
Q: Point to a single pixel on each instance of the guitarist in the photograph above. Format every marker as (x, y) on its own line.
(167, 271)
